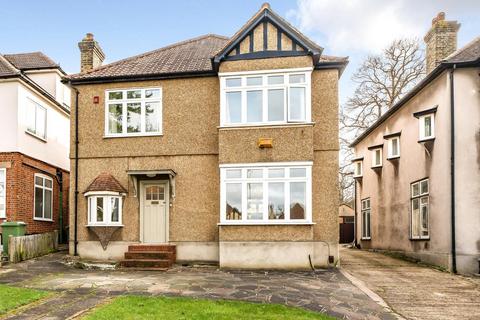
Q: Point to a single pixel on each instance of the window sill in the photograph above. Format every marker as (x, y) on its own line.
(42, 219)
(266, 125)
(426, 140)
(104, 225)
(357, 177)
(36, 136)
(377, 167)
(420, 239)
(263, 223)
(133, 135)
(366, 239)
(393, 158)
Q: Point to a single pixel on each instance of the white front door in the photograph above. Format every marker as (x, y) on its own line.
(155, 213)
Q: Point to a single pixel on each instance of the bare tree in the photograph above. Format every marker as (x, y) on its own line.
(381, 81)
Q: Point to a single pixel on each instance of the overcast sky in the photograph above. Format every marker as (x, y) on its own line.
(353, 28)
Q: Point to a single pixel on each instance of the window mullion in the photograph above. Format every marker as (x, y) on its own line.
(244, 198)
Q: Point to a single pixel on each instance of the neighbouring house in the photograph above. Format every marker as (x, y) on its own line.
(346, 220)
(34, 144)
(417, 168)
(212, 149)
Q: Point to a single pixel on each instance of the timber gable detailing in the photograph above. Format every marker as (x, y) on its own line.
(267, 35)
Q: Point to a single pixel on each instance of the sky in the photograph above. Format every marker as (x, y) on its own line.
(354, 28)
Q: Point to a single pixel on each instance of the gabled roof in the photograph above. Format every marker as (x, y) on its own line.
(192, 56)
(467, 56)
(105, 182)
(31, 61)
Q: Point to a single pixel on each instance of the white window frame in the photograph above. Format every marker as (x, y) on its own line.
(307, 72)
(3, 212)
(390, 147)
(421, 128)
(124, 102)
(366, 210)
(265, 182)
(107, 209)
(374, 158)
(420, 196)
(356, 165)
(35, 186)
(34, 132)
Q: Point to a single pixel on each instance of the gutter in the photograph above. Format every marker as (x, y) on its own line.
(75, 231)
(452, 168)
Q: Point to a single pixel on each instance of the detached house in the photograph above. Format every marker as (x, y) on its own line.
(211, 149)
(34, 143)
(417, 168)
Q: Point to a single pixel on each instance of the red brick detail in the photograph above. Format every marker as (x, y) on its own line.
(106, 182)
(21, 170)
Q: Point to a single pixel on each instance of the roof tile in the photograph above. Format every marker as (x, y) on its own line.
(105, 182)
(31, 60)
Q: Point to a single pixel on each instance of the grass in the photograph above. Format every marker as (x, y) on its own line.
(12, 297)
(137, 308)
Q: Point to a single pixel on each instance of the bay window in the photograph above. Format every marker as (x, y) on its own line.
(420, 209)
(261, 98)
(133, 112)
(104, 209)
(267, 193)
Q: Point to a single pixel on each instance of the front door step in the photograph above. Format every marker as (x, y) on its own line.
(149, 257)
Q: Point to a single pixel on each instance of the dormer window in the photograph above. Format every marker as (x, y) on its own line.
(264, 98)
(426, 127)
(393, 145)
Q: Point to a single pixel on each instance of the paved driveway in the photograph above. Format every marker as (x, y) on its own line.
(326, 291)
(414, 291)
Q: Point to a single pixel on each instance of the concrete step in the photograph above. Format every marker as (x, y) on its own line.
(152, 247)
(162, 255)
(146, 263)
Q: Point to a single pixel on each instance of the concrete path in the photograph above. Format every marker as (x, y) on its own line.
(414, 291)
(325, 291)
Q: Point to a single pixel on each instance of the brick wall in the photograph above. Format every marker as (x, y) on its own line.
(20, 191)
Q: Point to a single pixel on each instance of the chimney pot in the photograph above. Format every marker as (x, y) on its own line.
(266, 5)
(91, 54)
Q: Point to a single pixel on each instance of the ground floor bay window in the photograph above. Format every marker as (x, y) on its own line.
(266, 193)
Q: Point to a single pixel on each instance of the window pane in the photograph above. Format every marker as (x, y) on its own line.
(424, 187)
(254, 81)
(115, 95)
(254, 106)
(99, 209)
(41, 122)
(115, 118)
(234, 107)
(38, 202)
(133, 117)
(378, 157)
(395, 147)
(276, 105)
(424, 218)
(233, 209)
(48, 183)
(39, 181)
(428, 126)
(115, 202)
(31, 116)
(275, 80)
(152, 117)
(368, 224)
(255, 173)
(134, 94)
(234, 174)
(254, 201)
(298, 172)
(297, 200)
(415, 218)
(233, 82)
(415, 189)
(276, 201)
(48, 205)
(152, 93)
(276, 173)
(297, 78)
(297, 103)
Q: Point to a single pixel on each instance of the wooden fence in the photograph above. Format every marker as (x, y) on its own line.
(32, 246)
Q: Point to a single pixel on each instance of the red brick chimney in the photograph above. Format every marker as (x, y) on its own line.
(91, 55)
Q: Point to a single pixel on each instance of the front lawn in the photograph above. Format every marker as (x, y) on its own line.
(12, 297)
(136, 307)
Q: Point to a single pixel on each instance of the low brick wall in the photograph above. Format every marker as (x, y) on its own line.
(32, 246)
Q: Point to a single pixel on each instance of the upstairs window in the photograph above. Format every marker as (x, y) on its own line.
(394, 147)
(133, 112)
(420, 209)
(265, 98)
(377, 158)
(36, 119)
(426, 127)
(357, 168)
(43, 198)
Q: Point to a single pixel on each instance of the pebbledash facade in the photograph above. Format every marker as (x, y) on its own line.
(226, 148)
(417, 168)
(34, 143)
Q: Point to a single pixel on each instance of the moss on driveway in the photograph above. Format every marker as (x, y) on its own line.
(138, 307)
(13, 297)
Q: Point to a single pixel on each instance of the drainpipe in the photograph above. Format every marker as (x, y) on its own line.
(75, 231)
(60, 208)
(452, 167)
(355, 212)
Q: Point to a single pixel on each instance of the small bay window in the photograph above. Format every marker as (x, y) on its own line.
(393, 146)
(357, 168)
(104, 209)
(262, 98)
(274, 193)
(426, 127)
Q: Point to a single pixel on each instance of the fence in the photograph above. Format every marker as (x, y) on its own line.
(32, 246)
